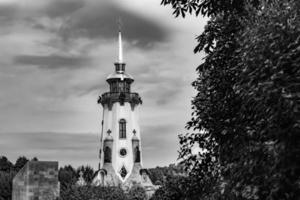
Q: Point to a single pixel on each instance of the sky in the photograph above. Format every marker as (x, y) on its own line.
(55, 56)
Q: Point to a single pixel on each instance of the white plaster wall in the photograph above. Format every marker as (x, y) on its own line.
(111, 121)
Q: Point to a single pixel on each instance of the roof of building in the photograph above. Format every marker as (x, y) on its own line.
(121, 76)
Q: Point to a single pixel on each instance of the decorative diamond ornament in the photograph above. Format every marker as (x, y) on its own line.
(123, 172)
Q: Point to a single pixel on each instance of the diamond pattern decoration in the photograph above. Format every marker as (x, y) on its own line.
(123, 172)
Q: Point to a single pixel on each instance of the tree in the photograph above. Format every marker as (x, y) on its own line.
(20, 162)
(159, 174)
(67, 177)
(171, 189)
(6, 185)
(5, 164)
(136, 192)
(245, 115)
(92, 193)
(34, 159)
(88, 173)
(177, 188)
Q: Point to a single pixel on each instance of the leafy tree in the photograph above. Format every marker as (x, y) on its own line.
(67, 177)
(88, 173)
(5, 164)
(170, 190)
(136, 192)
(246, 114)
(159, 174)
(20, 162)
(34, 159)
(6, 185)
(92, 193)
(7, 173)
(177, 188)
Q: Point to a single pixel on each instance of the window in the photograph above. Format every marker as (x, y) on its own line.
(121, 86)
(122, 128)
(113, 87)
(107, 155)
(123, 152)
(127, 87)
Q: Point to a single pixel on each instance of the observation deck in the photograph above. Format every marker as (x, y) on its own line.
(109, 98)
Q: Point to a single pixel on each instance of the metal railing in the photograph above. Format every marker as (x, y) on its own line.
(111, 97)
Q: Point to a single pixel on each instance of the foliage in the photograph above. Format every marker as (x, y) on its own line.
(6, 184)
(7, 173)
(177, 188)
(35, 159)
(136, 192)
(67, 177)
(158, 175)
(88, 173)
(5, 164)
(246, 114)
(20, 162)
(92, 193)
(171, 189)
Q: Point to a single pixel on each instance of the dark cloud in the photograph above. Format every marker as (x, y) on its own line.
(73, 19)
(59, 8)
(7, 11)
(8, 16)
(52, 61)
(100, 21)
(169, 88)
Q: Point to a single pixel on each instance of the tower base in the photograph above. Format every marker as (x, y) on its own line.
(138, 176)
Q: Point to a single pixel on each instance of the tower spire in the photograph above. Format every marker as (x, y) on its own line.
(120, 59)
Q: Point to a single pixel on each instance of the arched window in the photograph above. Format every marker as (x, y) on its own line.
(107, 155)
(137, 155)
(122, 128)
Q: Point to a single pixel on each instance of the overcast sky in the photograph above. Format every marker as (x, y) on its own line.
(55, 56)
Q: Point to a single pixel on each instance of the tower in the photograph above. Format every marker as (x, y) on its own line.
(120, 155)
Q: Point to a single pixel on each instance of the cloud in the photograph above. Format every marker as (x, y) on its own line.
(52, 61)
(52, 146)
(8, 15)
(82, 148)
(60, 8)
(75, 19)
(7, 11)
(100, 21)
(55, 57)
(169, 88)
(158, 140)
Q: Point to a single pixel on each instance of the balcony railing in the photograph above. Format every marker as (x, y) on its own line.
(112, 97)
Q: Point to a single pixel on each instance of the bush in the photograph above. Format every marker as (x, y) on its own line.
(92, 193)
(137, 193)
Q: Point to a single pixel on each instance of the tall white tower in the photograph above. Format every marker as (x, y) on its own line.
(120, 142)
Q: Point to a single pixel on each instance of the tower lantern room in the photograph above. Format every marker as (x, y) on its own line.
(120, 84)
